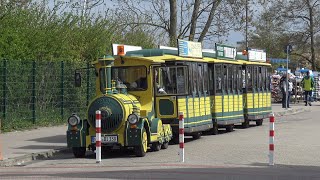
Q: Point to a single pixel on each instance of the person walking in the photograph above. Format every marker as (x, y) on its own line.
(284, 90)
(290, 88)
(307, 85)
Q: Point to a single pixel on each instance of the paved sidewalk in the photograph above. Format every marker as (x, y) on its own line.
(23, 146)
(294, 108)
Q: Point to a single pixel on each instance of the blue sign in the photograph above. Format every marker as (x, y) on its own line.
(278, 61)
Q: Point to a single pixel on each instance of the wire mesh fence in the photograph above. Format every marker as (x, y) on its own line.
(42, 93)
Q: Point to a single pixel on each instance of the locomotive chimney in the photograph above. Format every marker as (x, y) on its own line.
(107, 62)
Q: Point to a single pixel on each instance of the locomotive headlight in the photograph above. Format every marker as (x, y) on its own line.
(133, 118)
(74, 120)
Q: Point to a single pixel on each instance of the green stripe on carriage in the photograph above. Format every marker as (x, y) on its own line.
(200, 120)
(250, 110)
(229, 115)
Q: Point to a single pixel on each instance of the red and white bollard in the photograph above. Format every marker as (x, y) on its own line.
(271, 140)
(98, 136)
(181, 136)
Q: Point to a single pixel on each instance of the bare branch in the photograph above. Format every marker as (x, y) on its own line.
(209, 21)
(194, 19)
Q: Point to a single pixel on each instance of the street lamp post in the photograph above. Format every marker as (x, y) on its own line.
(247, 25)
(287, 81)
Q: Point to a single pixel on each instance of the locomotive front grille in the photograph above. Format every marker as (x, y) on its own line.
(111, 114)
(108, 124)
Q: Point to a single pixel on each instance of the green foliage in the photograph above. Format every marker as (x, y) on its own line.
(39, 89)
(138, 37)
(33, 32)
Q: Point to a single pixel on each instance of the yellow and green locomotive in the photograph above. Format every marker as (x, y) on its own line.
(123, 95)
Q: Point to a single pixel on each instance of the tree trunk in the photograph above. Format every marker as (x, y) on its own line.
(215, 4)
(173, 23)
(194, 19)
(311, 31)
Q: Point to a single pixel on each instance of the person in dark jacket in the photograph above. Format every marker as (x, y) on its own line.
(285, 92)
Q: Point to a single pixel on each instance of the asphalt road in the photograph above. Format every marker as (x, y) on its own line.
(242, 154)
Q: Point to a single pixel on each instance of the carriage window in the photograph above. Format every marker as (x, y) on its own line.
(235, 77)
(249, 78)
(211, 80)
(243, 74)
(134, 77)
(255, 78)
(230, 77)
(182, 80)
(191, 85)
(225, 78)
(194, 77)
(172, 80)
(263, 77)
(200, 79)
(239, 75)
(218, 78)
(268, 76)
(205, 77)
(260, 80)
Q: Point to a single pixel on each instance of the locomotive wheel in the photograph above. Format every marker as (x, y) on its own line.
(165, 145)
(79, 152)
(156, 146)
(246, 124)
(196, 135)
(229, 128)
(141, 150)
(259, 122)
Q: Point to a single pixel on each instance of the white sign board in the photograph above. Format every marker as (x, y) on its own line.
(167, 47)
(189, 49)
(257, 55)
(126, 48)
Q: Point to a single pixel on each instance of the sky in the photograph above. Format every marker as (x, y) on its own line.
(235, 37)
(232, 39)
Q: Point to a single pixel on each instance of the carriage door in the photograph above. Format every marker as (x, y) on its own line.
(169, 83)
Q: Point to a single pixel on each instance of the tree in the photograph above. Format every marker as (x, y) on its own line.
(209, 19)
(299, 24)
(269, 31)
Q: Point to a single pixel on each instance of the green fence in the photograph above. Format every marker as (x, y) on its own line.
(42, 93)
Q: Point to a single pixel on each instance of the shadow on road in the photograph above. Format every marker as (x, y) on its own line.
(177, 171)
(51, 139)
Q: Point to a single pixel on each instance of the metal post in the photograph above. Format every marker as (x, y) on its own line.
(181, 136)
(247, 26)
(33, 101)
(287, 81)
(98, 136)
(271, 140)
(88, 83)
(62, 89)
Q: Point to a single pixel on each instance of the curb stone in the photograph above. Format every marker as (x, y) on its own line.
(21, 160)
